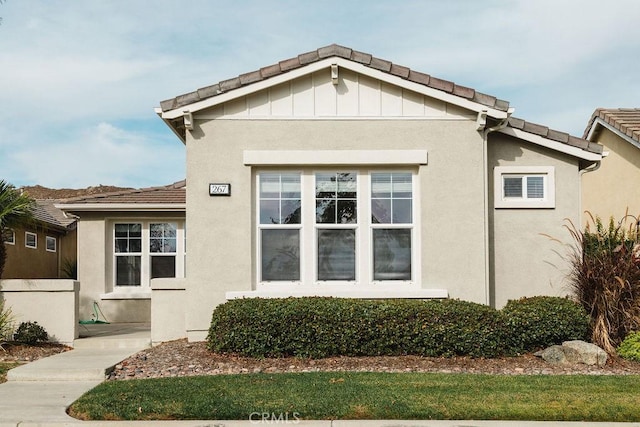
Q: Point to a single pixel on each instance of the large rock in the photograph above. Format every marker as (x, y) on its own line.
(574, 352)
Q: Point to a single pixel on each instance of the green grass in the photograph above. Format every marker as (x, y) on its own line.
(351, 395)
(4, 367)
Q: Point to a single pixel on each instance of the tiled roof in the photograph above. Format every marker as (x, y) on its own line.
(554, 135)
(625, 120)
(383, 65)
(326, 52)
(45, 211)
(170, 194)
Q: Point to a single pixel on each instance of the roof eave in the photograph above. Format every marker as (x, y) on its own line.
(598, 123)
(551, 144)
(319, 65)
(127, 207)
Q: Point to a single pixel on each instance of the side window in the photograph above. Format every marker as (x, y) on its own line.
(30, 240)
(51, 244)
(128, 254)
(279, 214)
(9, 236)
(524, 187)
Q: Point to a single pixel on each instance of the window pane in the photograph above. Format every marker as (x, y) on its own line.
(402, 211)
(290, 186)
(392, 254)
(135, 230)
(381, 211)
(122, 230)
(270, 185)
(402, 185)
(535, 187)
(337, 254)
(128, 270)
(163, 266)
(280, 255)
(163, 237)
(31, 240)
(8, 236)
(269, 211)
(291, 211)
(381, 185)
(512, 187)
(135, 245)
(336, 201)
(325, 211)
(51, 244)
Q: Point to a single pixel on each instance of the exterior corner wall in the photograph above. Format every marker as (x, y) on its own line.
(613, 190)
(168, 310)
(54, 304)
(528, 247)
(221, 230)
(91, 263)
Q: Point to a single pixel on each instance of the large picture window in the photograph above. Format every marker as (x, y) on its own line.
(352, 227)
(145, 250)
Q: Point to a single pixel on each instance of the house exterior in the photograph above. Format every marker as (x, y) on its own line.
(338, 173)
(126, 239)
(612, 190)
(43, 249)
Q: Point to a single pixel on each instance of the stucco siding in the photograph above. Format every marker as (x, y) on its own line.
(525, 260)
(613, 188)
(222, 229)
(32, 263)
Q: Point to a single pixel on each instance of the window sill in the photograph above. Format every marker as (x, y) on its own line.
(126, 295)
(341, 293)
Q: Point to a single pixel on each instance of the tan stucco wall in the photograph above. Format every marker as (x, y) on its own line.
(28, 263)
(95, 267)
(32, 301)
(525, 262)
(614, 187)
(221, 229)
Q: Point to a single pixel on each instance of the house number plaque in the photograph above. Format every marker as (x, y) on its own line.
(220, 189)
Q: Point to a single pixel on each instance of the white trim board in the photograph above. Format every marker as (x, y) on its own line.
(334, 157)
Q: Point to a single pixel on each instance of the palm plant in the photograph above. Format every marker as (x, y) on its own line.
(16, 209)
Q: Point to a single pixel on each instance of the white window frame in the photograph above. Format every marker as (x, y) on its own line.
(55, 243)
(546, 172)
(363, 230)
(26, 240)
(144, 290)
(9, 232)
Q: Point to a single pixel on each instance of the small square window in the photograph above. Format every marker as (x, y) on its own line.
(51, 244)
(31, 240)
(9, 237)
(524, 187)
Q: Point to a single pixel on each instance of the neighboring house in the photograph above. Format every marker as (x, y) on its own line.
(127, 238)
(613, 190)
(43, 250)
(338, 173)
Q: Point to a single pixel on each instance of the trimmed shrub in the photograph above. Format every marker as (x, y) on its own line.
(630, 347)
(30, 333)
(318, 327)
(538, 322)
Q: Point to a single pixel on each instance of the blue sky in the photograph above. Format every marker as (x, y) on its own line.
(79, 79)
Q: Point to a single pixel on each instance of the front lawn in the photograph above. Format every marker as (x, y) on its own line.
(4, 368)
(366, 395)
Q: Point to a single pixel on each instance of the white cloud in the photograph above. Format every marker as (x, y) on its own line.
(101, 154)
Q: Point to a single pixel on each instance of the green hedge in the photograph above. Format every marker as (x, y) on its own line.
(539, 322)
(321, 327)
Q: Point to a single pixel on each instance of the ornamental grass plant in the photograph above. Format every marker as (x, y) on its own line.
(605, 277)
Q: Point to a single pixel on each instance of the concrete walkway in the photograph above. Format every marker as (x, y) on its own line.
(37, 394)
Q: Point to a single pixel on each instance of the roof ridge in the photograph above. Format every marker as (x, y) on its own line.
(332, 50)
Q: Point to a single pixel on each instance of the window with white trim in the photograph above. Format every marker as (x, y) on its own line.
(30, 240)
(9, 236)
(336, 227)
(524, 187)
(145, 250)
(51, 244)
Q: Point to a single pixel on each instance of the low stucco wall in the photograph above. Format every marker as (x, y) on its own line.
(168, 303)
(52, 303)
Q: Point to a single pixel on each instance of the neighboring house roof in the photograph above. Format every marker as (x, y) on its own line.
(45, 211)
(625, 122)
(173, 110)
(170, 197)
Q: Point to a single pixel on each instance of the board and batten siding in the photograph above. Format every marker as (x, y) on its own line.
(355, 95)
